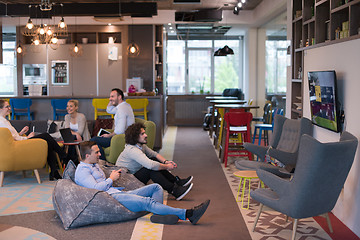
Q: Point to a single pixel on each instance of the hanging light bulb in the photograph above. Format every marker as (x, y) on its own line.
(29, 24)
(36, 41)
(133, 50)
(49, 32)
(19, 49)
(42, 29)
(54, 39)
(62, 23)
(76, 48)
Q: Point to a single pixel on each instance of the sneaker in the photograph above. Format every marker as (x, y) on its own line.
(184, 182)
(180, 191)
(164, 219)
(198, 211)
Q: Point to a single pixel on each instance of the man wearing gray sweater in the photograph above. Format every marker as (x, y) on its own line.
(147, 164)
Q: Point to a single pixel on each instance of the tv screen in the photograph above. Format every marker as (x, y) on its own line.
(323, 99)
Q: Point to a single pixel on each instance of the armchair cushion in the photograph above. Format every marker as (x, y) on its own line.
(92, 206)
(117, 144)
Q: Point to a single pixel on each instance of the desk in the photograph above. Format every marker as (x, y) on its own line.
(226, 108)
(221, 101)
(220, 98)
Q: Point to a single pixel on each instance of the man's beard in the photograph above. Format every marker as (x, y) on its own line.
(142, 143)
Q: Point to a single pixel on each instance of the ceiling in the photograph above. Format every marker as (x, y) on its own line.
(137, 8)
(161, 4)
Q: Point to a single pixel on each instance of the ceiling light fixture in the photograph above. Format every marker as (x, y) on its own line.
(133, 49)
(45, 33)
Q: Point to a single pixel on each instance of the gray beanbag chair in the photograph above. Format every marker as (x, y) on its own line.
(79, 206)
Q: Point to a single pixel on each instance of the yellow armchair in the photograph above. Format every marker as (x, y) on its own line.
(117, 144)
(21, 155)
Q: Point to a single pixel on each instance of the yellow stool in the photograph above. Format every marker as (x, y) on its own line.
(245, 175)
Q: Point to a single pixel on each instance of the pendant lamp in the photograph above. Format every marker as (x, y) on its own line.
(132, 49)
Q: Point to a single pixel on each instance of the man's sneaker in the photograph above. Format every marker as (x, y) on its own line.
(198, 211)
(184, 182)
(180, 191)
(164, 219)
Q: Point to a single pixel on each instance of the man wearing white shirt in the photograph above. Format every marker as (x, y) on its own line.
(123, 118)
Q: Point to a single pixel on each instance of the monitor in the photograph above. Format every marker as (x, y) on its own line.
(323, 99)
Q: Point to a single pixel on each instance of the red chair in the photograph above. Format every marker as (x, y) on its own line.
(237, 123)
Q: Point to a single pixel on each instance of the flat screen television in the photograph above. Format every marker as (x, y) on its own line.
(323, 99)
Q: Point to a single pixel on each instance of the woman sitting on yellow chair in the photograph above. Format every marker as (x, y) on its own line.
(53, 147)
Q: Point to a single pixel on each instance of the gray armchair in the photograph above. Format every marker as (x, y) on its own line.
(320, 174)
(284, 146)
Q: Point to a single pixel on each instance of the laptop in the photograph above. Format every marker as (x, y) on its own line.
(66, 135)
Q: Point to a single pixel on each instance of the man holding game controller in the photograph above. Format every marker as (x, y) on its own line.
(147, 164)
(148, 198)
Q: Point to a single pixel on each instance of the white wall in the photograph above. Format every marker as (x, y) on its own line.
(344, 58)
(254, 69)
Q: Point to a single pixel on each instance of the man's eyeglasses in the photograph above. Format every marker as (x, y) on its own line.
(7, 107)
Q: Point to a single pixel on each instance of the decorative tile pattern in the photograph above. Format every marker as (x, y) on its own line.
(24, 195)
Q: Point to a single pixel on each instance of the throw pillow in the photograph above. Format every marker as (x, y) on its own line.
(69, 172)
(106, 123)
(52, 127)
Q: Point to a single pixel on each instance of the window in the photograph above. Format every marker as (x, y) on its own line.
(192, 67)
(276, 54)
(8, 76)
(228, 69)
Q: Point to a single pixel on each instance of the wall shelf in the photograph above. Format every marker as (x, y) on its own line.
(322, 23)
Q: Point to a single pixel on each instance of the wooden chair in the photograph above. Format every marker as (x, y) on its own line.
(237, 123)
(139, 106)
(59, 107)
(21, 107)
(100, 105)
(266, 127)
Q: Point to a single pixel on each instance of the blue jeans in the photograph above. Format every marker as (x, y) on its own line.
(148, 198)
(102, 142)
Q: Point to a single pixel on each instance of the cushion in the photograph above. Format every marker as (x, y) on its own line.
(106, 123)
(93, 206)
(69, 172)
(79, 206)
(52, 127)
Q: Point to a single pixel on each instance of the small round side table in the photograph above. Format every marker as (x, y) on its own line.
(245, 175)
